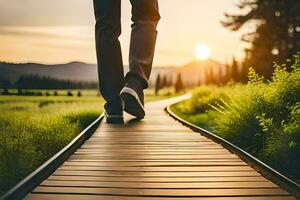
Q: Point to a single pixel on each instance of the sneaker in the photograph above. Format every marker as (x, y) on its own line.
(113, 114)
(133, 98)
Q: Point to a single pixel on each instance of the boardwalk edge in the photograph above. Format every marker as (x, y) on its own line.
(268, 172)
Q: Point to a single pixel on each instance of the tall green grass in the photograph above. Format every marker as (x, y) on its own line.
(261, 117)
(32, 129)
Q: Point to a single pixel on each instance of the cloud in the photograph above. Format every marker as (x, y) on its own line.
(64, 33)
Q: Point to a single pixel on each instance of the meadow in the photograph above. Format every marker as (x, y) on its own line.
(34, 128)
(261, 117)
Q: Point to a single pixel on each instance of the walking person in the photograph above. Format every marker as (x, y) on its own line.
(125, 93)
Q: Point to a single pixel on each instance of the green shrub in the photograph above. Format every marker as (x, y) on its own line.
(264, 119)
(261, 117)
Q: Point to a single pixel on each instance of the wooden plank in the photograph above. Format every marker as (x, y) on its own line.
(141, 153)
(142, 125)
(158, 160)
(154, 174)
(187, 135)
(152, 135)
(132, 153)
(127, 161)
(160, 169)
(152, 157)
(162, 192)
(144, 139)
(141, 136)
(149, 152)
(177, 151)
(161, 179)
(147, 141)
(128, 130)
(176, 144)
(153, 164)
(217, 185)
(149, 147)
(148, 133)
(154, 144)
(115, 197)
(118, 136)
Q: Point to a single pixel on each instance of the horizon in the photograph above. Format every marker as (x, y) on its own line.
(125, 65)
(28, 36)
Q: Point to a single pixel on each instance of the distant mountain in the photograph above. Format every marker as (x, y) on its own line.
(192, 73)
(76, 71)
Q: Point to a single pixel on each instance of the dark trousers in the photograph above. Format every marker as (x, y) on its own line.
(145, 16)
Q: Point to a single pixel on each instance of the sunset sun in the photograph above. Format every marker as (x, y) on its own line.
(202, 52)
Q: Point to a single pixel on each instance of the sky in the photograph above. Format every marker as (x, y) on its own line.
(61, 31)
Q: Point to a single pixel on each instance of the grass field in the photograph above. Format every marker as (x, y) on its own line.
(261, 117)
(33, 128)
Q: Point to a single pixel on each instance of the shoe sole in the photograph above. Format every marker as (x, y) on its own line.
(114, 119)
(133, 106)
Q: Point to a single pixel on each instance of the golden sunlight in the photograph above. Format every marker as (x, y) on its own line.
(202, 52)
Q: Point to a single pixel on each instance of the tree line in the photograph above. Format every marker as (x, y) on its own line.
(233, 71)
(163, 81)
(45, 82)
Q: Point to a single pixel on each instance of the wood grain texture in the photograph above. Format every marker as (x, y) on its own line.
(156, 158)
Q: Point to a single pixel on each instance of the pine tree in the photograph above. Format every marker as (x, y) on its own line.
(244, 70)
(170, 81)
(234, 70)
(209, 76)
(277, 33)
(4, 83)
(164, 82)
(69, 93)
(220, 76)
(5, 92)
(178, 83)
(157, 84)
(227, 75)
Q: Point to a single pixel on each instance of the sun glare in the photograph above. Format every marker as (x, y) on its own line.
(202, 52)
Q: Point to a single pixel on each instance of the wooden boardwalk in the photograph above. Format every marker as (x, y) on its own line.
(156, 158)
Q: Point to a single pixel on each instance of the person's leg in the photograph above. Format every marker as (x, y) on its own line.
(109, 56)
(145, 17)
